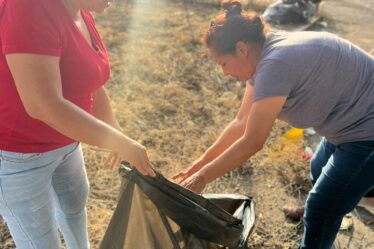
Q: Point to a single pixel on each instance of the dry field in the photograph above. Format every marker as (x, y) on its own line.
(170, 96)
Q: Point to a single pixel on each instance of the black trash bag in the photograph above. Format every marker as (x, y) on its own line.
(154, 213)
(289, 11)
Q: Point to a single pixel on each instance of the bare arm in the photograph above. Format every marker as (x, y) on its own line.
(233, 131)
(102, 109)
(38, 83)
(258, 126)
(230, 134)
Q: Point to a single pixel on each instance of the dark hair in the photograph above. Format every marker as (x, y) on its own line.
(233, 25)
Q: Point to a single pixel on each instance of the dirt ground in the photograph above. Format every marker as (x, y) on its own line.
(170, 96)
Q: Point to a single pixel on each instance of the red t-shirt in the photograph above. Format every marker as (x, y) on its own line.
(45, 27)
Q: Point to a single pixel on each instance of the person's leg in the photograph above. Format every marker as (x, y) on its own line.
(320, 158)
(71, 186)
(345, 179)
(26, 200)
(368, 201)
(370, 194)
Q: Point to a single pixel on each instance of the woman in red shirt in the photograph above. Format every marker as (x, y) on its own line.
(53, 68)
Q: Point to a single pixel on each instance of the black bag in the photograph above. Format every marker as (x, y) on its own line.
(154, 213)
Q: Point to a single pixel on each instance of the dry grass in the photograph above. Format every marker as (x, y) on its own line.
(171, 97)
(168, 95)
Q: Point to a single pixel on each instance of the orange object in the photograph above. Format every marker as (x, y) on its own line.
(295, 133)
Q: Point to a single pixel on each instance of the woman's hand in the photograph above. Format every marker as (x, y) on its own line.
(195, 183)
(136, 155)
(183, 175)
(113, 161)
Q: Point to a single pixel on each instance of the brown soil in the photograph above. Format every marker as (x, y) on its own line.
(168, 95)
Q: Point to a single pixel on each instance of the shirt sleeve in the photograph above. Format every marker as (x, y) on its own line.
(273, 78)
(28, 28)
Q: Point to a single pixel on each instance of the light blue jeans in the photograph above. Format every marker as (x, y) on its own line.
(40, 192)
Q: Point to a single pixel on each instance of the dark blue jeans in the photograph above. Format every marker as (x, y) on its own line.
(341, 176)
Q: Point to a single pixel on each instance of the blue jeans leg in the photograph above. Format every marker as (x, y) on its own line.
(71, 186)
(28, 196)
(320, 158)
(345, 178)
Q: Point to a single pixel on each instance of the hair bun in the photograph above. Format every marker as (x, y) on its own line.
(232, 7)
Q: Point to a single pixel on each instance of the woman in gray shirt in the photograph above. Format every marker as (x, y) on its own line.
(307, 79)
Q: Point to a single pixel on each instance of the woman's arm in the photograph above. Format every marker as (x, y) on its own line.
(258, 127)
(38, 83)
(230, 134)
(233, 131)
(102, 109)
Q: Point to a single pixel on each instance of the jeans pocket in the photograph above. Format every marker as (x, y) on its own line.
(75, 147)
(16, 157)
